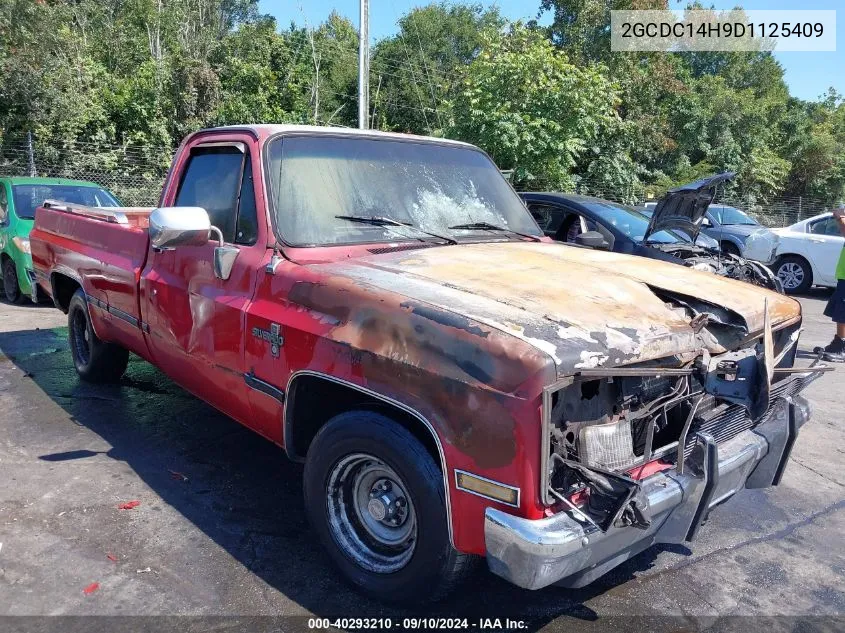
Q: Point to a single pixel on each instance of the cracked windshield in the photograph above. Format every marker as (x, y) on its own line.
(334, 190)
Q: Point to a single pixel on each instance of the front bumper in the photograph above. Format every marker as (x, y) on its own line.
(560, 549)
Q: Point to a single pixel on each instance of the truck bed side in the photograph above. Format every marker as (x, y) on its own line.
(102, 251)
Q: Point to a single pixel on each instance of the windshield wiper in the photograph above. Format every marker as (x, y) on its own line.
(486, 226)
(380, 220)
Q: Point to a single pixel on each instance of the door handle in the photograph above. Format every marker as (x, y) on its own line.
(816, 240)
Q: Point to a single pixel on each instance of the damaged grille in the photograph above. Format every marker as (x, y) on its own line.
(725, 421)
(612, 424)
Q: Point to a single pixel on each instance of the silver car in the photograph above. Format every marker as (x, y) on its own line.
(729, 226)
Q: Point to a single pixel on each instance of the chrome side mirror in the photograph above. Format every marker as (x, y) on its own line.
(179, 226)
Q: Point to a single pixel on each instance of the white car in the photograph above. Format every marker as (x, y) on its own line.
(802, 255)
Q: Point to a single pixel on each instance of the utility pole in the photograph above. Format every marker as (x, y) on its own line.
(364, 66)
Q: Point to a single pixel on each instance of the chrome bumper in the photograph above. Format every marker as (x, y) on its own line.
(560, 549)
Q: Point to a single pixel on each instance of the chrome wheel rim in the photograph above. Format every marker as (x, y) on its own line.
(791, 275)
(371, 516)
(81, 337)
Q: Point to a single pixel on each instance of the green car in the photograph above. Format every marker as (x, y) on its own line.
(19, 198)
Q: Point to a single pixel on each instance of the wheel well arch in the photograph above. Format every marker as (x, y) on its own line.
(63, 287)
(725, 241)
(312, 399)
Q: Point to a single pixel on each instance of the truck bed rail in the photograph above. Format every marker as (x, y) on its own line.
(115, 215)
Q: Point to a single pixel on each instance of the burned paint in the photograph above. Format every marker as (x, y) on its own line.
(617, 314)
(444, 317)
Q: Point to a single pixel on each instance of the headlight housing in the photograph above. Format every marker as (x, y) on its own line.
(22, 243)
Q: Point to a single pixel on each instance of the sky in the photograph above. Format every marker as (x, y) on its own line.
(808, 75)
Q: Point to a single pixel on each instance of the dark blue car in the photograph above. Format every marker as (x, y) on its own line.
(674, 236)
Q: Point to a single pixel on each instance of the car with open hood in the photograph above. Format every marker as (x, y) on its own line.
(385, 309)
(669, 231)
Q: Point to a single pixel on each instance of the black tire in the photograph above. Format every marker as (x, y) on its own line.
(729, 248)
(795, 273)
(434, 567)
(11, 288)
(95, 360)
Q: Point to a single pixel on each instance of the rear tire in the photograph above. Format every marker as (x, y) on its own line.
(795, 273)
(11, 288)
(95, 360)
(375, 497)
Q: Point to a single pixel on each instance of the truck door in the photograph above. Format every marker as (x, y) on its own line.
(196, 319)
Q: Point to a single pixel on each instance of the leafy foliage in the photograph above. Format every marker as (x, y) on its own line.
(553, 103)
(531, 109)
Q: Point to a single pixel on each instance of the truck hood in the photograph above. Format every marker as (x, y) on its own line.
(683, 208)
(583, 308)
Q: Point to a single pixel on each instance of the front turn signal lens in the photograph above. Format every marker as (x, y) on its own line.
(487, 488)
(22, 244)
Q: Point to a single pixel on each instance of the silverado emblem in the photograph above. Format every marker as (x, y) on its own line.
(272, 336)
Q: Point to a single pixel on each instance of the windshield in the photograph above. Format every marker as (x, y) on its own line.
(28, 197)
(431, 186)
(731, 215)
(630, 221)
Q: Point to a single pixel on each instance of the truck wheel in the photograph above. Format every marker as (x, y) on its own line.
(375, 497)
(10, 282)
(95, 360)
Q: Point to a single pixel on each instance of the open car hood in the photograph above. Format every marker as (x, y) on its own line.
(683, 208)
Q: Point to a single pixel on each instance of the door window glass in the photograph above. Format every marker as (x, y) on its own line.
(212, 180)
(548, 217)
(828, 226)
(247, 213)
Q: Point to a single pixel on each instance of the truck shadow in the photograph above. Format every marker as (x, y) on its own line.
(244, 494)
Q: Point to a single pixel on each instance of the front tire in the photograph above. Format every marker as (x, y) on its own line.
(795, 273)
(95, 360)
(375, 497)
(11, 288)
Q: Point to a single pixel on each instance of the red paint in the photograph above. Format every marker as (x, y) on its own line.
(647, 470)
(200, 334)
(128, 505)
(112, 557)
(91, 588)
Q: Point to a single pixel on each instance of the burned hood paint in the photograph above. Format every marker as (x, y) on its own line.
(683, 208)
(583, 308)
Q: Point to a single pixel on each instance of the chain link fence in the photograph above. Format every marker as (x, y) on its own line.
(135, 174)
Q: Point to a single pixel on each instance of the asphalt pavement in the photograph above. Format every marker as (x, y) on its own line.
(220, 530)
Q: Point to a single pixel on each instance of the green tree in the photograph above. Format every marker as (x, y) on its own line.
(530, 108)
(415, 72)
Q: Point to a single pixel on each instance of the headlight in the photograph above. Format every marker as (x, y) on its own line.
(23, 244)
(608, 446)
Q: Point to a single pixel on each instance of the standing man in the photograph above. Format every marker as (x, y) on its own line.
(835, 350)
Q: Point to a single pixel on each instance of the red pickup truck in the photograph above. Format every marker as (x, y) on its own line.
(385, 309)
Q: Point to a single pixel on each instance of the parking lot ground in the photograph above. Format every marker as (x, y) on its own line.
(220, 527)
